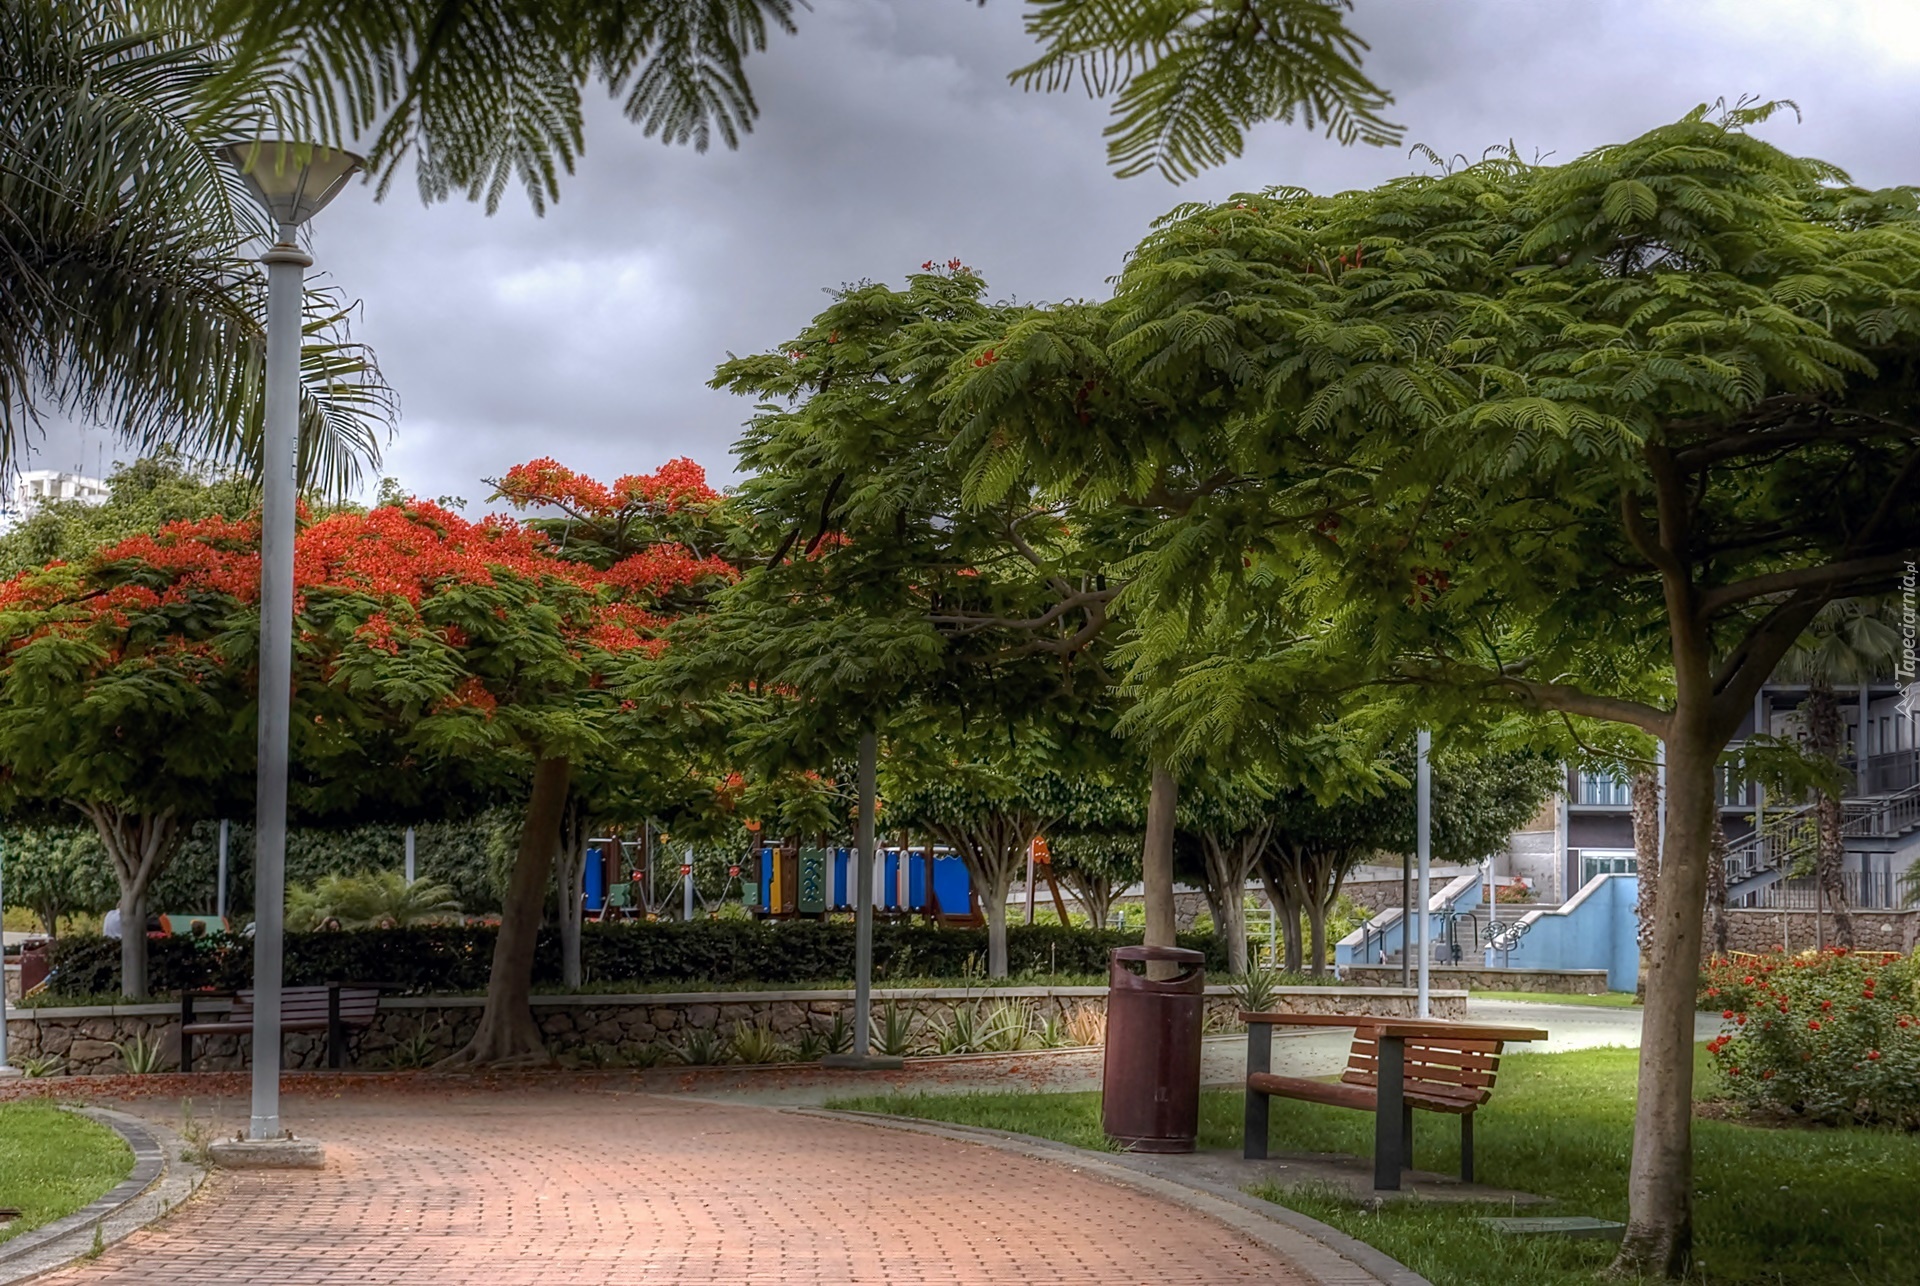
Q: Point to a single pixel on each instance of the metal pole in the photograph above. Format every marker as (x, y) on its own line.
(1423, 841)
(686, 888)
(5, 1070)
(220, 887)
(1660, 806)
(286, 267)
(1493, 911)
(863, 898)
(1029, 883)
(410, 855)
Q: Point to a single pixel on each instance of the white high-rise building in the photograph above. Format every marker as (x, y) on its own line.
(36, 487)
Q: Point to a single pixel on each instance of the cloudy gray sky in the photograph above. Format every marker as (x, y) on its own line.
(889, 135)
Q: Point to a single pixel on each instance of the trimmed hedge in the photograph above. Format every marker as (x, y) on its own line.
(432, 959)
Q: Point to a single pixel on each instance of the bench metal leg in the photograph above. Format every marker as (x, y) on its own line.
(1466, 1147)
(1259, 1059)
(1388, 1113)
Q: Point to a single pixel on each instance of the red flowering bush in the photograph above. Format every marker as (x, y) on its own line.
(1830, 1035)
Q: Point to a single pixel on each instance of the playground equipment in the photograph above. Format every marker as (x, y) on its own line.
(654, 886)
(818, 881)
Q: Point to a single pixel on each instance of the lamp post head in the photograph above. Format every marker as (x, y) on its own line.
(294, 181)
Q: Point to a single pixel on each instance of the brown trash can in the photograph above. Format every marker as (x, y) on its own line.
(35, 964)
(1150, 1083)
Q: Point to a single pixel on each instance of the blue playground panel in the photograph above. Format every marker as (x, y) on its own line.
(595, 886)
(949, 880)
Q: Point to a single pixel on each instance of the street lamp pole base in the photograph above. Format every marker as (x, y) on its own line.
(286, 1153)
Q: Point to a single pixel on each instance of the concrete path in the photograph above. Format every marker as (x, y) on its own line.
(1577, 1026)
(574, 1184)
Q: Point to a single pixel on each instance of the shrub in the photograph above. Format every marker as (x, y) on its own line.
(1830, 1036)
(366, 900)
(441, 958)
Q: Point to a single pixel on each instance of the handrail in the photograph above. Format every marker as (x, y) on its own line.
(1787, 837)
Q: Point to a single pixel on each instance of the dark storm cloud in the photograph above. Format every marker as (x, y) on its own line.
(889, 135)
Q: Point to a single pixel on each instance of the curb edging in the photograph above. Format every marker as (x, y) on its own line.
(1317, 1249)
(162, 1177)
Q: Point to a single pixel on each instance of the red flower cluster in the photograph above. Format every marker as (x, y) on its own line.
(665, 568)
(545, 481)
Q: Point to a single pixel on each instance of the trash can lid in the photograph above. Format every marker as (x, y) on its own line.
(1177, 955)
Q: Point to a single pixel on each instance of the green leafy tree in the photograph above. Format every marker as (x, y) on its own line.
(987, 792)
(1224, 828)
(1598, 440)
(56, 871)
(1095, 864)
(123, 296)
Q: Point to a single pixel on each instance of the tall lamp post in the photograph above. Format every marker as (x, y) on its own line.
(5, 1071)
(293, 181)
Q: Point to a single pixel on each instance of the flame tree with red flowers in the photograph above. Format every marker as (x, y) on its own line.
(433, 654)
(649, 540)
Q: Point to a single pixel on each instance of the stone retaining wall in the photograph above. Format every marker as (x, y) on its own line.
(414, 1029)
(1752, 929)
(1569, 982)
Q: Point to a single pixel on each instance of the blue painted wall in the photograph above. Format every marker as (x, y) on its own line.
(1467, 900)
(1597, 930)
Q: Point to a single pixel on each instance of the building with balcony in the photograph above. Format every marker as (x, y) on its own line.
(1589, 829)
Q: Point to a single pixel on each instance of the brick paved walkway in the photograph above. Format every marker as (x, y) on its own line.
(549, 1188)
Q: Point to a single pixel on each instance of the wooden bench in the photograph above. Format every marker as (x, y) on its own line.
(1394, 1066)
(333, 1008)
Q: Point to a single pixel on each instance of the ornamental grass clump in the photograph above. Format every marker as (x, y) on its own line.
(1830, 1036)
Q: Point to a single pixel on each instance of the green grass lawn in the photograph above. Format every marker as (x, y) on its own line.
(52, 1162)
(1776, 1207)
(1606, 999)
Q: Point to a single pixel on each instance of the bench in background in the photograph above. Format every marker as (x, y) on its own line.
(334, 1008)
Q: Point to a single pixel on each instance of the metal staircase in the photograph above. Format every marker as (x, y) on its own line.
(1791, 837)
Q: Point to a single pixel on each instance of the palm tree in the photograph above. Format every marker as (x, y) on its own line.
(124, 297)
(484, 94)
(1851, 641)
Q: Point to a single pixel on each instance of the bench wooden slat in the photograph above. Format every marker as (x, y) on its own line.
(1330, 1092)
(1364, 1073)
(1427, 1056)
(1437, 1029)
(1428, 1091)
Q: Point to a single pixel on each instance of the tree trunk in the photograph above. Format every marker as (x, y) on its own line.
(996, 909)
(995, 852)
(139, 845)
(133, 943)
(1317, 937)
(570, 873)
(1156, 869)
(1280, 898)
(1093, 892)
(1229, 862)
(1717, 892)
(507, 1034)
(1645, 794)
(1659, 1234)
(1824, 738)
